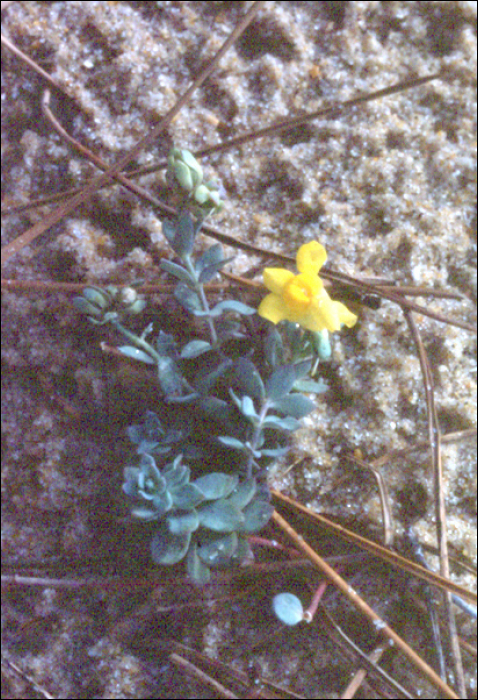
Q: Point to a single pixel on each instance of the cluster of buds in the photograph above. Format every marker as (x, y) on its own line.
(110, 304)
(184, 169)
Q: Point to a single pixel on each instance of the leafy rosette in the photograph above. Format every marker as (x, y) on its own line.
(207, 520)
(157, 492)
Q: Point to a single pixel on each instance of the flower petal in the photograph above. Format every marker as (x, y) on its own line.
(273, 308)
(310, 257)
(325, 314)
(275, 278)
(345, 316)
(312, 282)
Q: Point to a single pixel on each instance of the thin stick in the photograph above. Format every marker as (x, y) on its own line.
(434, 438)
(202, 676)
(363, 607)
(395, 294)
(388, 529)
(391, 557)
(37, 229)
(33, 65)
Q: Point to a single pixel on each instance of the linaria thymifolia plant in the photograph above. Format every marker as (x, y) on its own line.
(247, 399)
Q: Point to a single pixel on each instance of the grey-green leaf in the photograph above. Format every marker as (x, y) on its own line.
(211, 256)
(246, 380)
(188, 299)
(210, 262)
(231, 442)
(276, 452)
(84, 307)
(256, 515)
(281, 423)
(97, 296)
(294, 405)
(183, 523)
(243, 493)
(198, 572)
(280, 382)
(184, 236)
(220, 516)
(273, 347)
(167, 548)
(310, 386)
(165, 344)
(194, 349)
(288, 608)
(177, 271)
(169, 377)
(216, 485)
(247, 408)
(232, 305)
(136, 354)
(187, 496)
(218, 551)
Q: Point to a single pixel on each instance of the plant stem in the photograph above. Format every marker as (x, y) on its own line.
(139, 342)
(256, 436)
(199, 288)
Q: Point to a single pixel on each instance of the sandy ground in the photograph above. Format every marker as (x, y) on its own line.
(389, 189)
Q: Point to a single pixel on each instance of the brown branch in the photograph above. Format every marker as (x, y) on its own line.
(112, 172)
(378, 550)
(434, 438)
(363, 607)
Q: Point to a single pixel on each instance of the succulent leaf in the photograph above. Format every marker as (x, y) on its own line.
(136, 354)
(256, 515)
(167, 548)
(183, 523)
(294, 405)
(198, 571)
(187, 497)
(280, 382)
(243, 493)
(288, 608)
(220, 516)
(219, 550)
(216, 485)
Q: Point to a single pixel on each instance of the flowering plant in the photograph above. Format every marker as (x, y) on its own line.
(226, 400)
(302, 298)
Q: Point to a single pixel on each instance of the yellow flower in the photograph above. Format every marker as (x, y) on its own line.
(302, 298)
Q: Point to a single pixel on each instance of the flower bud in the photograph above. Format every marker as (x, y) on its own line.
(185, 168)
(208, 196)
(131, 302)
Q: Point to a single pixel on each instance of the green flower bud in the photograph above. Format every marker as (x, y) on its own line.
(104, 305)
(131, 301)
(208, 196)
(185, 168)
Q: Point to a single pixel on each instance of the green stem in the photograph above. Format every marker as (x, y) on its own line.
(199, 288)
(256, 436)
(139, 342)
